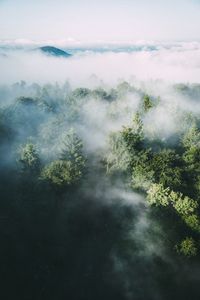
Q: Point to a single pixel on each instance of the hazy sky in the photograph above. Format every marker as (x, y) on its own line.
(92, 20)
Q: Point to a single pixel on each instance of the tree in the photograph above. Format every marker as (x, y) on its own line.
(142, 172)
(70, 167)
(191, 137)
(161, 167)
(73, 151)
(158, 195)
(29, 159)
(147, 103)
(183, 205)
(191, 157)
(118, 158)
(81, 93)
(187, 247)
(100, 93)
(133, 136)
(59, 173)
(193, 222)
(168, 169)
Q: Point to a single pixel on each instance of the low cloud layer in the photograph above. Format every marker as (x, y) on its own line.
(172, 63)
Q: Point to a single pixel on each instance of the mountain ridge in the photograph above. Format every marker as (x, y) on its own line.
(53, 51)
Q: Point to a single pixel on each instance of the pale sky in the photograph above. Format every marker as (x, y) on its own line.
(93, 20)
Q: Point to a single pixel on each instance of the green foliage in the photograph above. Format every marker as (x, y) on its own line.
(193, 222)
(70, 167)
(167, 168)
(73, 151)
(158, 195)
(29, 159)
(133, 140)
(183, 205)
(142, 172)
(81, 93)
(138, 124)
(133, 136)
(60, 173)
(187, 247)
(102, 94)
(191, 137)
(161, 167)
(147, 103)
(118, 158)
(192, 156)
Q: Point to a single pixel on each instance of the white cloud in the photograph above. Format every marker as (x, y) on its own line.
(178, 62)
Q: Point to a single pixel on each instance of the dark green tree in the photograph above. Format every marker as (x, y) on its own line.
(29, 159)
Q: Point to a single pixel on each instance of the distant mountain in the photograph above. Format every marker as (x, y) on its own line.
(53, 51)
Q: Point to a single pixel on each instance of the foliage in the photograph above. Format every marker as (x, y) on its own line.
(142, 171)
(147, 103)
(165, 169)
(133, 136)
(193, 222)
(81, 93)
(118, 158)
(73, 151)
(29, 159)
(191, 157)
(158, 195)
(187, 247)
(59, 173)
(161, 167)
(191, 137)
(183, 205)
(70, 167)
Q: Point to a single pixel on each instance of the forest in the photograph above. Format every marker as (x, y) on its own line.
(100, 191)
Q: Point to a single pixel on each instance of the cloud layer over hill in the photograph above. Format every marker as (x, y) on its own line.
(178, 62)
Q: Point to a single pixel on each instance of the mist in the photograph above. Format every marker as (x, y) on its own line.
(87, 231)
(169, 62)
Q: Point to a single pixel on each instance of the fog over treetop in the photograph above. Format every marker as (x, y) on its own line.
(100, 149)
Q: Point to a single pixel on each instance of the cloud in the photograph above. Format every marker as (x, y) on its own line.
(172, 63)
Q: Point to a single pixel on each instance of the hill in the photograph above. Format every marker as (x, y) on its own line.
(53, 51)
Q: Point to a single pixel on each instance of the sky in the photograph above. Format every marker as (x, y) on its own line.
(105, 20)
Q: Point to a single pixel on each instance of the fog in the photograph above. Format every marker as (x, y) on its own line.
(172, 63)
(98, 239)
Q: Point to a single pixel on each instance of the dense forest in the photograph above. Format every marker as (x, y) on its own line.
(100, 192)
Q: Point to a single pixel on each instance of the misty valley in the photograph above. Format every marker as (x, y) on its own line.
(100, 190)
(100, 150)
